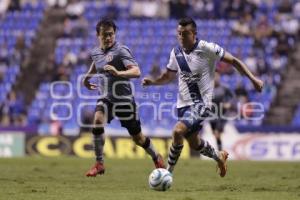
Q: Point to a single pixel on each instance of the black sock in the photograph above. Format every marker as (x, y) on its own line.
(99, 141)
(219, 143)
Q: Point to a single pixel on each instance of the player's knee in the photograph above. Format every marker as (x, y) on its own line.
(98, 119)
(178, 132)
(98, 131)
(133, 128)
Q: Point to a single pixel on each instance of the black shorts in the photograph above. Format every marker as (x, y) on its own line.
(126, 112)
(218, 124)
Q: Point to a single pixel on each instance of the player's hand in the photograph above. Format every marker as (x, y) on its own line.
(89, 85)
(258, 84)
(111, 69)
(147, 82)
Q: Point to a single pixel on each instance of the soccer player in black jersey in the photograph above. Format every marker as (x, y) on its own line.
(116, 64)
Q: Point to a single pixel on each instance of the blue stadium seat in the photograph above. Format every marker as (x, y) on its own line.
(148, 50)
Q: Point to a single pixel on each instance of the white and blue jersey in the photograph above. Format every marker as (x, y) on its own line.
(195, 72)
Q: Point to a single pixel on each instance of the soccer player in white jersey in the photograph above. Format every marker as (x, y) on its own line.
(194, 62)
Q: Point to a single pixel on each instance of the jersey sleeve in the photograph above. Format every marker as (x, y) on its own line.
(214, 50)
(92, 54)
(172, 65)
(126, 57)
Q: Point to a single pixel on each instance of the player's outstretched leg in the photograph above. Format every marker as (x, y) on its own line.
(156, 157)
(206, 149)
(177, 145)
(174, 154)
(220, 157)
(146, 144)
(99, 141)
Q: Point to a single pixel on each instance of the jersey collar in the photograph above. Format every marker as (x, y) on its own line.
(106, 50)
(193, 48)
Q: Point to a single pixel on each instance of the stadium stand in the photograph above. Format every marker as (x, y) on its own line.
(296, 120)
(260, 37)
(17, 31)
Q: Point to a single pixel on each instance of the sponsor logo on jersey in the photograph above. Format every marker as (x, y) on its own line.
(109, 58)
(190, 77)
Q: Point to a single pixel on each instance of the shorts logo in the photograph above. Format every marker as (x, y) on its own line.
(108, 58)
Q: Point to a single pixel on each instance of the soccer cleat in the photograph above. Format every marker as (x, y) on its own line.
(159, 162)
(98, 168)
(222, 166)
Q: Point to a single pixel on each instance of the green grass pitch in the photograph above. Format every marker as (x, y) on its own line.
(37, 178)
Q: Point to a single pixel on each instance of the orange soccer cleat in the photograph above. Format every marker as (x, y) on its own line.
(222, 165)
(98, 168)
(159, 162)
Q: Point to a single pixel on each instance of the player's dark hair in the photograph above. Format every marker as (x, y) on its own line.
(188, 21)
(105, 23)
